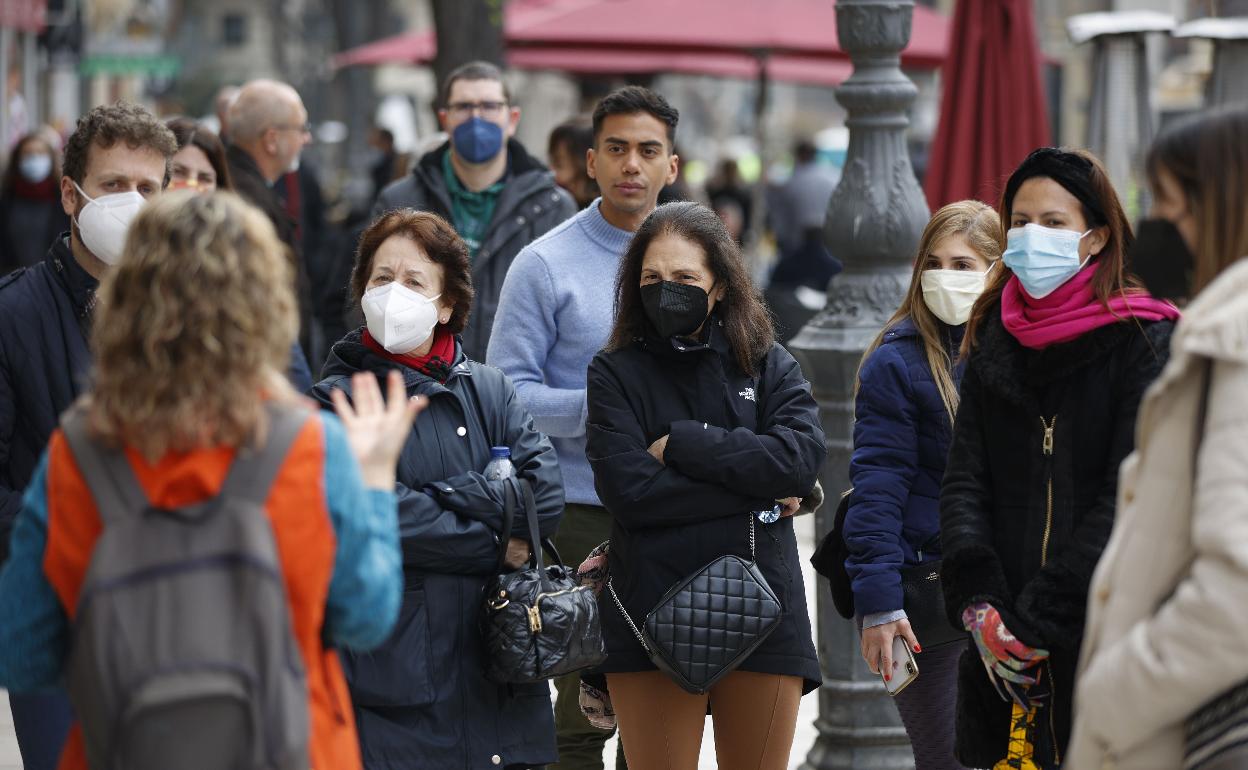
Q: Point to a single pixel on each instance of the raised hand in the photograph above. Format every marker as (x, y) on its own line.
(377, 429)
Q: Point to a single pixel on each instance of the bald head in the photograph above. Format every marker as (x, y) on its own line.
(262, 105)
(268, 121)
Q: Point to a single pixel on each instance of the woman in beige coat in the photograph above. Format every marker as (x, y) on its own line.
(1166, 630)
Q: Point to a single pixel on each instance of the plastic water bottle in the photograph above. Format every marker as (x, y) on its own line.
(500, 466)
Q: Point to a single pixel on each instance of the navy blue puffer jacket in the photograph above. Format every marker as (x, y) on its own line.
(901, 441)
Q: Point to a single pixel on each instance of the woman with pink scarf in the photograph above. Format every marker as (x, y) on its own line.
(1059, 351)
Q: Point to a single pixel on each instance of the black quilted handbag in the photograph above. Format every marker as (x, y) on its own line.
(709, 623)
(537, 622)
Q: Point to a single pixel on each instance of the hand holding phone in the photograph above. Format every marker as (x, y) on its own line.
(905, 667)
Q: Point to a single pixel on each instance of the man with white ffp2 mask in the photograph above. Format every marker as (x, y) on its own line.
(114, 161)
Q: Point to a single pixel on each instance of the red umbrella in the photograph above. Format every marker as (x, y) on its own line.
(796, 35)
(992, 111)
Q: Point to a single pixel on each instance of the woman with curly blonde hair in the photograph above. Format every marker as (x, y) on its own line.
(190, 334)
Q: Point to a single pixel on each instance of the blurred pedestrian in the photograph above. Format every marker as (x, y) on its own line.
(568, 150)
(904, 405)
(1164, 632)
(697, 420)
(422, 699)
(1061, 347)
(728, 191)
(31, 215)
(189, 323)
(268, 129)
(796, 212)
(555, 314)
(384, 168)
(221, 104)
(200, 165)
(115, 160)
(498, 197)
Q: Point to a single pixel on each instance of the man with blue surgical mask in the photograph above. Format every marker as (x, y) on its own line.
(116, 159)
(498, 197)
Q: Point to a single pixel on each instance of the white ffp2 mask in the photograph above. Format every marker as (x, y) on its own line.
(104, 222)
(398, 318)
(951, 294)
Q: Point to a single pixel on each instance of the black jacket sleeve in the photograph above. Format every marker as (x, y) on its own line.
(472, 495)
(10, 498)
(1053, 604)
(781, 460)
(637, 489)
(971, 571)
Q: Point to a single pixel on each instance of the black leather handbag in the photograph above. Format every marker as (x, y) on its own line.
(537, 622)
(709, 623)
(923, 597)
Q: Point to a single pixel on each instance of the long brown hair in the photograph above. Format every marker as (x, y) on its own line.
(979, 225)
(1208, 156)
(189, 131)
(1083, 176)
(747, 324)
(194, 325)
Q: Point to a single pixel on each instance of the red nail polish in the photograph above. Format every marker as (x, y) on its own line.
(917, 648)
(887, 678)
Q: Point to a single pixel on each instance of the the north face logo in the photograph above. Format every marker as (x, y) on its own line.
(747, 394)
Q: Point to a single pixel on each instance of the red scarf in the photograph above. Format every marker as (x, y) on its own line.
(47, 190)
(1072, 310)
(436, 363)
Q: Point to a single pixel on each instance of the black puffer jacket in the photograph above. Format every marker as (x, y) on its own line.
(529, 205)
(422, 699)
(1022, 528)
(737, 443)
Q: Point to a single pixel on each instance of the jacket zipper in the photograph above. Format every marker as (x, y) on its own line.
(1047, 446)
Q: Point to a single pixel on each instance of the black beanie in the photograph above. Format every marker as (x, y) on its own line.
(1071, 170)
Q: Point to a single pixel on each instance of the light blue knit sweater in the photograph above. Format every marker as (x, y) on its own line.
(554, 314)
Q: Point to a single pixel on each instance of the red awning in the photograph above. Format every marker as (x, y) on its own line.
(598, 61)
(992, 112)
(796, 35)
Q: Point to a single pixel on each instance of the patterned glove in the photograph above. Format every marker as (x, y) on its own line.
(1005, 658)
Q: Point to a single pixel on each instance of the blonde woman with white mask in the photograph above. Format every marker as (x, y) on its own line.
(906, 398)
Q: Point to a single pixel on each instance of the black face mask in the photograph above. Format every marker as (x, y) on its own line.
(675, 309)
(1161, 259)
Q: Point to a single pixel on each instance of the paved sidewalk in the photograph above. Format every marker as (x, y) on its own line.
(10, 760)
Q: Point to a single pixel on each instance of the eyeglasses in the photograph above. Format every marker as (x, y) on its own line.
(306, 128)
(487, 109)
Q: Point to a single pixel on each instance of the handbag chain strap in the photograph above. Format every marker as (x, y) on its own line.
(629, 618)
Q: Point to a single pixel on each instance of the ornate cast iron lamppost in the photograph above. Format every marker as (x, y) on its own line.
(874, 221)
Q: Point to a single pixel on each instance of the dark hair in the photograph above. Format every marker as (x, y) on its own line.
(630, 100)
(473, 70)
(109, 124)
(438, 240)
(1207, 155)
(576, 136)
(747, 323)
(11, 173)
(190, 131)
(1082, 175)
(805, 151)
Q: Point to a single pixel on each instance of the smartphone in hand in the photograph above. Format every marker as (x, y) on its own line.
(905, 667)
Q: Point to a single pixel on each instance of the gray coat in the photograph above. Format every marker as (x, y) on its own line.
(529, 205)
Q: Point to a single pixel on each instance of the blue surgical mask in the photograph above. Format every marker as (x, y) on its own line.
(1043, 258)
(477, 140)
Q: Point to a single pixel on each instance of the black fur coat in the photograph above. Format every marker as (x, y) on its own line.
(1004, 542)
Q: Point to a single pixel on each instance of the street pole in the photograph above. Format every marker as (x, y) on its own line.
(874, 221)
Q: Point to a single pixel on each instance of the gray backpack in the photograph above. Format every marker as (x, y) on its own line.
(182, 655)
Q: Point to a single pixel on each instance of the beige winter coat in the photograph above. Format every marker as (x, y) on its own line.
(1167, 625)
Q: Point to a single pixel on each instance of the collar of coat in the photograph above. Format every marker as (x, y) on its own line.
(350, 355)
(1018, 374)
(1215, 324)
(518, 160)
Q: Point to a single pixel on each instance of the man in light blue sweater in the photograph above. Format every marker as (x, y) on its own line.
(555, 313)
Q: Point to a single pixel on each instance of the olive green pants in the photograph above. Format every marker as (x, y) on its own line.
(580, 744)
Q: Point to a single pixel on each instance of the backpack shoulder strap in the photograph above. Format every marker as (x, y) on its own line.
(107, 472)
(255, 468)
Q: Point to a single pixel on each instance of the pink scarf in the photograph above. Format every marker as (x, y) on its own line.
(1073, 310)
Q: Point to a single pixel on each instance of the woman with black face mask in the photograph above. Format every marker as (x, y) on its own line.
(1166, 630)
(703, 437)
